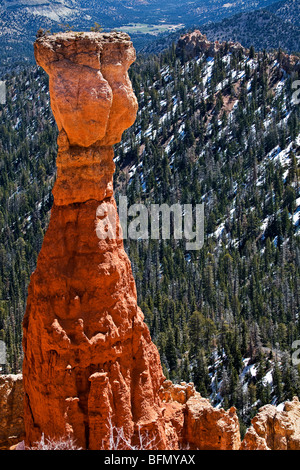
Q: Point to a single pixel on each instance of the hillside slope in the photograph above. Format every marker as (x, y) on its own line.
(143, 20)
(271, 27)
(220, 130)
(277, 26)
(288, 10)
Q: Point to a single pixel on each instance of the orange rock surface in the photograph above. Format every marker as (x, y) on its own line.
(11, 410)
(90, 366)
(275, 430)
(194, 43)
(203, 426)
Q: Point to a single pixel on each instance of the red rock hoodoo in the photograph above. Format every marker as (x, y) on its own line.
(89, 363)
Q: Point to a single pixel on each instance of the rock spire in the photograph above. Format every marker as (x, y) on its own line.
(90, 367)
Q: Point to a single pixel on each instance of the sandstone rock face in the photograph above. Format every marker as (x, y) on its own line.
(93, 103)
(189, 421)
(208, 428)
(90, 367)
(195, 43)
(203, 427)
(91, 94)
(290, 63)
(275, 430)
(170, 392)
(11, 410)
(89, 361)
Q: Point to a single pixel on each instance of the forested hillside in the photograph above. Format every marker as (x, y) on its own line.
(27, 160)
(223, 131)
(143, 20)
(273, 27)
(270, 27)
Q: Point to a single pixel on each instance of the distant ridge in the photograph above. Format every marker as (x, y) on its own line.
(143, 20)
(272, 27)
(276, 26)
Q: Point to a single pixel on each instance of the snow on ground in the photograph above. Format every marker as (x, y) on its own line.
(181, 131)
(168, 146)
(268, 378)
(248, 369)
(279, 87)
(218, 232)
(281, 156)
(208, 71)
(296, 215)
(265, 224)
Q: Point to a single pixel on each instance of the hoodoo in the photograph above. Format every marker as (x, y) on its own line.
(89, 363)
(90, 366)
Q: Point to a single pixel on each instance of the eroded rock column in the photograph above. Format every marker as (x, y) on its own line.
(89, 363)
